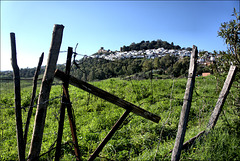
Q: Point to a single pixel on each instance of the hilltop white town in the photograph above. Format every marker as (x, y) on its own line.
(205, 58)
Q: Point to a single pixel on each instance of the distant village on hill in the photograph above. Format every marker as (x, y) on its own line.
(205, 59)
(163, 57)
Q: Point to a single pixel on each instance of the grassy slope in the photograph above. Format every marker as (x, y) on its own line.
(138, 138)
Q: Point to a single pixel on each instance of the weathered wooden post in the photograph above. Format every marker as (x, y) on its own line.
(109, 135)
(221, 99)
(186, 106)
(110, 98)
(35, 78)
(48, 77)
(217, 110)
(17, 91)
(66, 103)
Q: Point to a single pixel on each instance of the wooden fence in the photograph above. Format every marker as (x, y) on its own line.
(51, 72)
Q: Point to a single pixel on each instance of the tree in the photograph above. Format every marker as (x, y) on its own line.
(156, 63)
(147, 65)
(167, 61)
(230, 32)
(181, 67)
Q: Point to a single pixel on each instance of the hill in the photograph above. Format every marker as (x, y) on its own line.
(92, 69)
(137, 58)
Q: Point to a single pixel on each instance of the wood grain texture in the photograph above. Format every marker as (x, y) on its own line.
(17, 94)
(107, 96)
(186, 106)
(45, 88)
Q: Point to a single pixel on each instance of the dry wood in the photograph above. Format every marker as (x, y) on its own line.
(190, 142)
(186, 106)
(17, 91)
(62, 108)
(217, 110)
(35, 79)
(48, 77)
(222, 97)
(109, 135)
(107, 96)
(66, 103)
(73, 128)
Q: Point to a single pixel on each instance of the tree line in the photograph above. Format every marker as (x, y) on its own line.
(144, 45)
(91, 69)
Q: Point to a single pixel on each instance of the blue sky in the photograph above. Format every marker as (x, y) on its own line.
(108, 24)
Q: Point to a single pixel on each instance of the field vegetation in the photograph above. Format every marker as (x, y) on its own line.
(137, 138)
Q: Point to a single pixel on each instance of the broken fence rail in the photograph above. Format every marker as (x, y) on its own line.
(107, 96)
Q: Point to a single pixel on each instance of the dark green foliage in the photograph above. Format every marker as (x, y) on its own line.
(230, 32)
(144, 45)
(98, 69)
(92, 69)
(181, 67)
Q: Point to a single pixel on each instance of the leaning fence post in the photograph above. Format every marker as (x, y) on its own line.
(16, 77)
(65, 100)
(186, 106)
(109, 135)
(221, 99)
(48, 77)
(35, 78)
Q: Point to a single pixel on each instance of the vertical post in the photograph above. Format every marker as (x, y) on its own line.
(72, 125)
(48, 77)
(109, 135)
(63, 105)
(18, 114)
(222, 97)
(35, 78)
(186, 106)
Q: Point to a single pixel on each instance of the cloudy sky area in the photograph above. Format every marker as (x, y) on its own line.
(108, 24)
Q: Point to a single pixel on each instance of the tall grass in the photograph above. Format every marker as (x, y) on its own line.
(137, 138)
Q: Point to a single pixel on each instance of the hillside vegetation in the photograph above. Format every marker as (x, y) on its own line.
(137, 138)
(90, 69)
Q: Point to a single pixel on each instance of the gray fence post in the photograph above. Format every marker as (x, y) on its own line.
(222, 97)
(17, 91)
(48, 77)
(186, 106)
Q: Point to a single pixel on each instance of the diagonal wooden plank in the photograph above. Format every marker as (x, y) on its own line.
(222, 97)
(109, 135)
(107, 96)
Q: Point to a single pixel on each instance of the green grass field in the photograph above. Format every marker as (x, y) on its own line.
(137, 138)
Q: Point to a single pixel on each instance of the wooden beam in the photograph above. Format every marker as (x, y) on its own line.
(66, 103)
(222, 97)
(35, 79)
(48, 77)
(182, 126)
(62, 108)
(17, 93)
(107, 96)
(109, 135)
